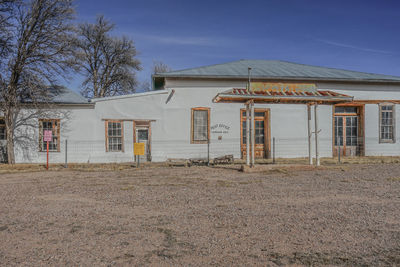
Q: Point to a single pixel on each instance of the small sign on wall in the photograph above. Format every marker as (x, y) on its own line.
(138, 149)
(47, 136)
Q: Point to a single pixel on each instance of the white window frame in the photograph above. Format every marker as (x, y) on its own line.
(121, 122)
(56, 129)
(393, 139)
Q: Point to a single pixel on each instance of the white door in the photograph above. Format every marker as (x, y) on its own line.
(142, 136)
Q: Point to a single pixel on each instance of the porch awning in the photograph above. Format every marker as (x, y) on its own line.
(238, 95)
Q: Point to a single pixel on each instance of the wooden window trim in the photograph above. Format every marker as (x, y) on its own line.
(41, 134)
(393, 140)
(192, 141)
(122, 134)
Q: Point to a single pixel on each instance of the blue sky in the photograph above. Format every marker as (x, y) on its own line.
(360, 35)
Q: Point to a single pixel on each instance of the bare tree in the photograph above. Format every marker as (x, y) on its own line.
(39, 51)
(108, 63)
(6, 8)
(160, 67)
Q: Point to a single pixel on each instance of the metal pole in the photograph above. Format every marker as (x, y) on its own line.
(66, 153)
(338, 143)
(47, 164)
(138, 161)
(247, 135)
(317, 162)
(309, 134)
(252, 134)
(273, 151)
(208, 151)
(249, 76)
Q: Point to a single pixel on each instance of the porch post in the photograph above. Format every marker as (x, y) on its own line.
(247, 134)
(316, 136)
(252, 133)
(309, 133)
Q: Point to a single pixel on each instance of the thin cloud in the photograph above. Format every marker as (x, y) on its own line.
(365, 49)
(181, 40)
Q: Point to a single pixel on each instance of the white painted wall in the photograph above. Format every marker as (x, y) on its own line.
(85, 129)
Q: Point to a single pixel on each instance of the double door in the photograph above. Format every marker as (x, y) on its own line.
(348, 135)
(261, 133)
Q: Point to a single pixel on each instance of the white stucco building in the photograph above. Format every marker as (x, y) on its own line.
(190, 108)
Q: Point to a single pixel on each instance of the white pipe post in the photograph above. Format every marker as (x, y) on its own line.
(247, 135)
(316, 136)
(252, 134)
(309, 134)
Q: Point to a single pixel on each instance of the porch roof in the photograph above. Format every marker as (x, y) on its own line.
(240, 95)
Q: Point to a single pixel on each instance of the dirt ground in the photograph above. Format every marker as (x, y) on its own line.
(337, 216)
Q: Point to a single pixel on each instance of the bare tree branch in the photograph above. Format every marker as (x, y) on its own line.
(38, 52)
(108, 63)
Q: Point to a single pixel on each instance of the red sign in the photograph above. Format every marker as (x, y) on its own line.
(47, 136)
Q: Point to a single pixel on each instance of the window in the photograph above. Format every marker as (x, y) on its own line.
(49, 125)
(387, 123)
(200, 125)
(345, 109)
(114, 136)
(3, 133)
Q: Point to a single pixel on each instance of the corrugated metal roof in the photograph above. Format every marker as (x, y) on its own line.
(63, 95)
(275, 69)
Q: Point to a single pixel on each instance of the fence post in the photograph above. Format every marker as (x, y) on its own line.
(66, 153)
(273, 150)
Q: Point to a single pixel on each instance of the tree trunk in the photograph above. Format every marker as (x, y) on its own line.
(10, 136)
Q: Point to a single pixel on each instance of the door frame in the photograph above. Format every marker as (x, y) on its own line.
(267, 131)
(361, 125)
(143, 125)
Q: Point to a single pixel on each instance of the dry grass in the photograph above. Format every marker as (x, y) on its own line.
(90, 167)
(344, 215)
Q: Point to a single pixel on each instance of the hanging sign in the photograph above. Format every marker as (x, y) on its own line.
(138, 149)
(283, 87)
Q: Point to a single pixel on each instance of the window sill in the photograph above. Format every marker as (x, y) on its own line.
(199, 142)
(387, 142)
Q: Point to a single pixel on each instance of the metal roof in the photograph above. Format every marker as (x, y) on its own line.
(63, 95)
(319, 96)
(275, 69)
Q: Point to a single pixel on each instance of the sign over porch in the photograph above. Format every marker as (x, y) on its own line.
(283, 87)
(277, 95)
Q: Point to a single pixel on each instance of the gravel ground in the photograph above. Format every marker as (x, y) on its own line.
(337, 216)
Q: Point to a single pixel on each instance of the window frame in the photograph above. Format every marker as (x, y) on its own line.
(393, 139)
(107, 136)
(192, 141)
(58, 130)
(3, 125)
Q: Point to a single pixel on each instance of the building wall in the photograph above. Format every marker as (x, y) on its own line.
(171, 124)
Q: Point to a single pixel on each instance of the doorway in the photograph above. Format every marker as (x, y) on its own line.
(348, 137)
(261, 134)
(142, 134)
